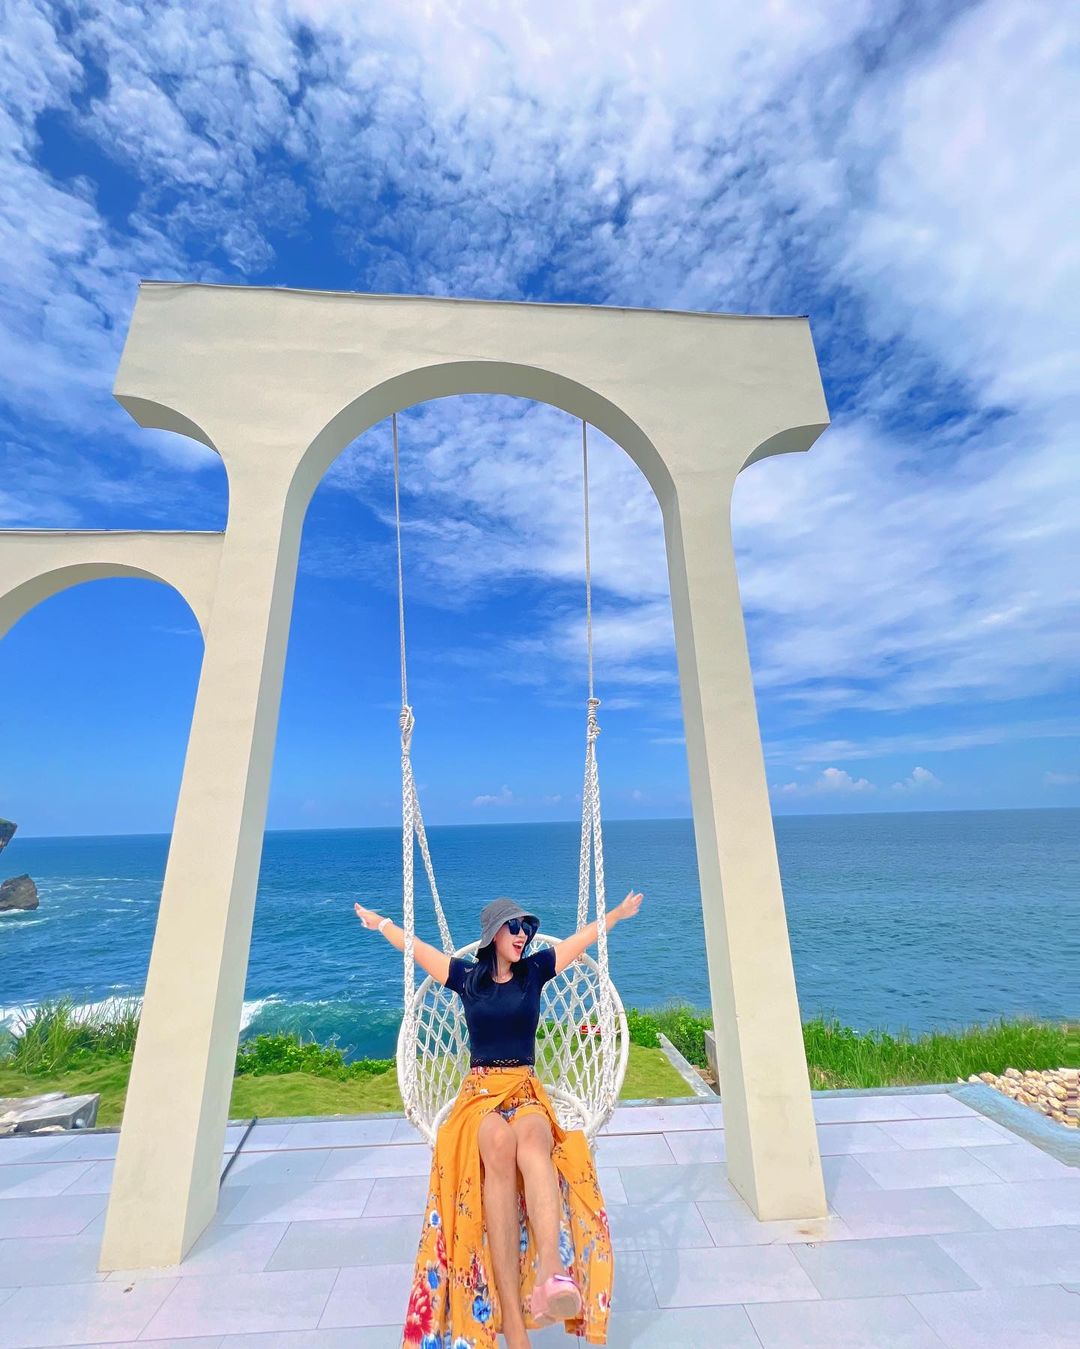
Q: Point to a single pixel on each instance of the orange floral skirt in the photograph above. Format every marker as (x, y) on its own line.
(453, 1303)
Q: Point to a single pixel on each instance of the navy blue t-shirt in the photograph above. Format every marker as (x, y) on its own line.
(502, 1019)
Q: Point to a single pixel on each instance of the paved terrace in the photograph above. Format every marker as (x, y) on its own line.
(947, 1227)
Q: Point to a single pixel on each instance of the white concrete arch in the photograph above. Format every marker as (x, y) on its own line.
(318, 366)
(36, 564)
(451, 379)
(278, 382)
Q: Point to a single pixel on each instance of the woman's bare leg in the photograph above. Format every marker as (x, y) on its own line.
(534, 1143)
(498, 1147)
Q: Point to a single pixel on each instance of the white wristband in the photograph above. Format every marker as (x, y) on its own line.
(382, 924)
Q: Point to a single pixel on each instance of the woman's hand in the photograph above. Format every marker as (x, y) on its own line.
(629, 906)
(368, 917)
(568, 950)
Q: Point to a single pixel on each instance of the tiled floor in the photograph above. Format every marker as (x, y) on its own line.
(945, 1229)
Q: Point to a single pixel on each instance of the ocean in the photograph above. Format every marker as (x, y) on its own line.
(916, 920)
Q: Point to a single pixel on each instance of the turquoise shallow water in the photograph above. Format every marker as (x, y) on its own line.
(918, 920)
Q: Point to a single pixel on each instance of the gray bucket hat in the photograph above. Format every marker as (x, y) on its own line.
(493, 915)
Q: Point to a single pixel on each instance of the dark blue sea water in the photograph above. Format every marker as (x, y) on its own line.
(917, 920)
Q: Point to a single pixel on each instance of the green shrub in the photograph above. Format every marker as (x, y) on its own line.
(642, 1027)
(685, 1027)
(285, 1052)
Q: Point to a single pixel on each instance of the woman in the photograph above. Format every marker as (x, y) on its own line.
(511, 1191)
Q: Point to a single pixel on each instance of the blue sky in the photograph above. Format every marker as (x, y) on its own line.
(898, 172)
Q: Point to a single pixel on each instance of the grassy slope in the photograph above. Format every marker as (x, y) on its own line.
(648, 1074)
(286, 1077)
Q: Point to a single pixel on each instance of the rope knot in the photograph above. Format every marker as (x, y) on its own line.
(407, 722)
(593, 724)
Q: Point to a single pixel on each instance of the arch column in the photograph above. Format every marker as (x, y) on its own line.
(770, 1134)
(169, 1160)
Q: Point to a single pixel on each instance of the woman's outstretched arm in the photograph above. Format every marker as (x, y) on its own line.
(566, 952)
(428, 957)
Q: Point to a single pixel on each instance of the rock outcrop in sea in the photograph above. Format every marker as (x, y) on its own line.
(19, 892)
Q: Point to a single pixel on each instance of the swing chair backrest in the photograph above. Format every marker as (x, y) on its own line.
(582, 1067)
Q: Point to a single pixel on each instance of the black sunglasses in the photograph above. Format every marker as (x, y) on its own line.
(517, 925)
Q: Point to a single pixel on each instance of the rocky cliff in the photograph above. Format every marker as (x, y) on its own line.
(7, 831)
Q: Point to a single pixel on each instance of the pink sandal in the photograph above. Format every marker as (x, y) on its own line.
(557, 1299)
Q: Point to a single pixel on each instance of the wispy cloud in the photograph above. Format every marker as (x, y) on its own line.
(901, 172)
(874, 746)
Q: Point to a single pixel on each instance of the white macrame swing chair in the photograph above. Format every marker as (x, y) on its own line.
(582, 1039)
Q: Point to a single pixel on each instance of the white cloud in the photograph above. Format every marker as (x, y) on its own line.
(872, 746)
(833, 782)
(1052, 779)
(925, 553)
(933, 564)
(492, 498)
(868, 584)
(492, 493)
(621, 704)
(839, 780)
(969, 244)
(921, 779)
(503, 797)
(889, 569)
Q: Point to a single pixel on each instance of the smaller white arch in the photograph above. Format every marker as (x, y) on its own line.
(36, 564)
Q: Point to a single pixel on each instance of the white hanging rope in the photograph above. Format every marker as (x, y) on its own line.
(591, 841)
(412, 820)
(591, 859)
(588, 554)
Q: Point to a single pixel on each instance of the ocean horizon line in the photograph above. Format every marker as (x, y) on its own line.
(614, 819)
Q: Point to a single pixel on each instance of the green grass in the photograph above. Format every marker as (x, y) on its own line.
(648, 1074)
(56, 1048)
(57, 1035)
(109, 1077)
(838, 1056)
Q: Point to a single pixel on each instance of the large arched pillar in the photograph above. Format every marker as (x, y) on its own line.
(278, 382)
